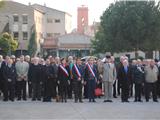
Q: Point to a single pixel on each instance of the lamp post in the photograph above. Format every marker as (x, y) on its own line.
(68, 52)
(41, 46)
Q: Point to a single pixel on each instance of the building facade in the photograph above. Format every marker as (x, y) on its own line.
(21, 21)
(56, 23)
(78, 45)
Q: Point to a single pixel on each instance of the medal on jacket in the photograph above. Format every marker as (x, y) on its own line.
(64, 70)
(91, 70)
(77, 71)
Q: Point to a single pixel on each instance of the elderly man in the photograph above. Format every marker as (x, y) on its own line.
(125, 78)
(109, 75)
(9, 73)
(35, 79)
(22, 73)
(151, 77)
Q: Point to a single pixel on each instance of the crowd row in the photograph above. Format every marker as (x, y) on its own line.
(60, 79)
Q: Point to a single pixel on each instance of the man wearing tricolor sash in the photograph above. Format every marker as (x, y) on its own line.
(63, 77)
(90, 77)
(77, 72)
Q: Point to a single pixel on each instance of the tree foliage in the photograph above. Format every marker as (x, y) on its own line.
(128, 26)
(8, 43)
(32, 47)
(1, 3)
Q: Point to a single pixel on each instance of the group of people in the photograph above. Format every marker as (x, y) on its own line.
(62, 79)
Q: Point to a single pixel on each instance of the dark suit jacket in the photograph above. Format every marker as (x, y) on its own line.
(35, 74)
(74, 73)
(9, 73)
(124, 77)
(62, 77)
(88, 75)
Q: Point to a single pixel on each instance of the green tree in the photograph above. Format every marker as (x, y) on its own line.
(7, 43)
(32, 47)
(128, 26)
(1, 3)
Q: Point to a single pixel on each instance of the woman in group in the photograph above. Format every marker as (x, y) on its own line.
(90, 77)
(63, 77)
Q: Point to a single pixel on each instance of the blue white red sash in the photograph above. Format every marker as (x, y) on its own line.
(64, 70)
(91, 70)
(77, 70)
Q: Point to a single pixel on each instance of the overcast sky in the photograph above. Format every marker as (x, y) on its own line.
(96, 7)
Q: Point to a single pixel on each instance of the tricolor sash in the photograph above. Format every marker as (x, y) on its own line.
(91, 70)
(77, 70)
(64, 70)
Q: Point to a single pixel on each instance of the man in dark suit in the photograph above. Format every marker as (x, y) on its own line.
(3, 65)
(77, 72)
(125, 78)
(9, 73)
(1, 73)
(35, 80)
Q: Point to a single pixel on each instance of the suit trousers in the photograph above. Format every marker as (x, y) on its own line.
(9, 90)
(21, 89)
(108, 90)
(91, 89)
(138, 91)
(77, 90)
(150, 87)
(36, 91)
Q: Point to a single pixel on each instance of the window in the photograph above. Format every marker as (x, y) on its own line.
(25, 36)
(49, 20)
(15, 35)
(57, 20)
(25, 19)
(15, 18)
(49, 34)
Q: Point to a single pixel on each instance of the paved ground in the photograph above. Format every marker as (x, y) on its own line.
(79, 111)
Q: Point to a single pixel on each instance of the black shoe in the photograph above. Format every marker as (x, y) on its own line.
(39, 99)
(140, 101)
(135, 100)
(93, 101)
(18, 99)
(81, 101)
(127, 101)
(115, 96)
(89, 100)
(5, 100)
(107, 101)
(11, 99)
(24, 99)
(147, 100)
(110, 100)
(33, 99)
(155, 100)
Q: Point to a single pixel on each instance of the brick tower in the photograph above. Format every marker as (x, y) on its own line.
(82, 19)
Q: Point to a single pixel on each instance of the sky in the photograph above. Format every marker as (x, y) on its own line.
(96, 7)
